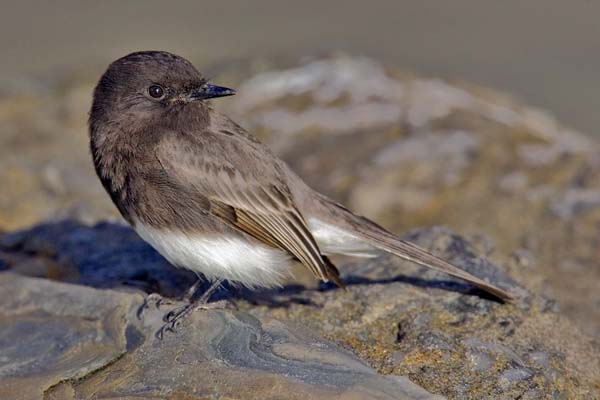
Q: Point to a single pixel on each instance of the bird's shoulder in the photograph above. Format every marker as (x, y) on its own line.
(221, 150)
(218, 164)
(221, 124)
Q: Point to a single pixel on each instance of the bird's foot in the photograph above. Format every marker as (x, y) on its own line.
(173, 318)
(153, 299)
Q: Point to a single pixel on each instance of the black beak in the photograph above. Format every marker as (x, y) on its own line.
(207, 91)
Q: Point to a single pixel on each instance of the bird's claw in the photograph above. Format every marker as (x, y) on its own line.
(173, 318)
(177, 313)
(161, 332)
(155, 298)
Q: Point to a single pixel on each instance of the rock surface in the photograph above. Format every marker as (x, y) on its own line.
(82, 339)
(61, 341)
(522, 191)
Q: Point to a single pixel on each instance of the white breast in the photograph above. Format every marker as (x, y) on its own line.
(234, 258)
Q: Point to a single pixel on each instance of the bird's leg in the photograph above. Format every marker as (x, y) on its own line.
(179, 312)
(209, 292)
(189, 295)
(158, 300)
(174, 317)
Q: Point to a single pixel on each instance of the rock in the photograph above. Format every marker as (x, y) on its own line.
(70, 341)
(44, 157)
(52, 332)
(400, 319)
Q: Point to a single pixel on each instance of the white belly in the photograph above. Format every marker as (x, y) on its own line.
(233, 258)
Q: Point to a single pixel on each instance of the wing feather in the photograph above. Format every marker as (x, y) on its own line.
(262, 208)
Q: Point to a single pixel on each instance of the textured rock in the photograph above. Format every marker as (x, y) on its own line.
(53, 332)
(65, 341)
(401, 319)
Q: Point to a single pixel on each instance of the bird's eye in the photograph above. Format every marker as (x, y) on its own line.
(156, 91)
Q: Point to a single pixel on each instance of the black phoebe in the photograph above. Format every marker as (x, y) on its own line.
(208, 195)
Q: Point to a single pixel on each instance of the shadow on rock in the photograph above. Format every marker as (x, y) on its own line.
(111, 255)
(106, 255)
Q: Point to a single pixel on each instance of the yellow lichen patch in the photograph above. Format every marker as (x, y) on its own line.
(421, 357)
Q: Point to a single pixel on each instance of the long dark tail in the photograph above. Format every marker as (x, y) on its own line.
(387, 241)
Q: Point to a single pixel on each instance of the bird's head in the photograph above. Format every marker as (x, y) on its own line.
(152, 87)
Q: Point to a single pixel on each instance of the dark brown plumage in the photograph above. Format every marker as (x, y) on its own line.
(207, 194)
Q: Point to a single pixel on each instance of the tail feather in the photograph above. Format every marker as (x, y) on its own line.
(416, 254)
(333, 274)
(380, 238)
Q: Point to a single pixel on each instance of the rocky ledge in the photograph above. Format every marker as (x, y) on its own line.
(398, 332)
(61, 341)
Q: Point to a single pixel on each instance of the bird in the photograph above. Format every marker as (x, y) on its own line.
(210, 197)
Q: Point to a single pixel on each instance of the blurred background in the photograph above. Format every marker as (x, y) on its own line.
(544, 51)
(461, 113)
